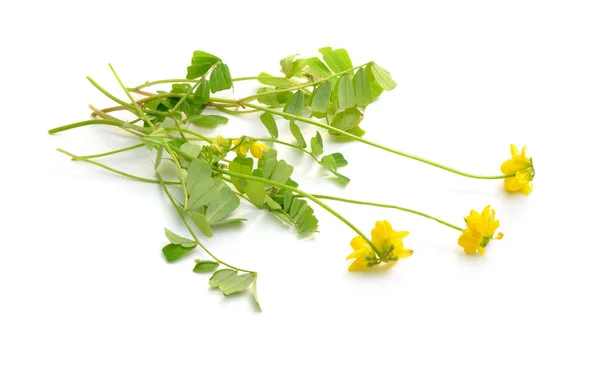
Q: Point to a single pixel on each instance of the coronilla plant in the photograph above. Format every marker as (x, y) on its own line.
(215, 174)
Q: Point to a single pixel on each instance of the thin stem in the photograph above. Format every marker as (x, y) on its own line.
(127, 175)
(136, 146)
(122, 104)
(290, 145)
(301, 86)
(120, 124)
(300, 192)
(186, 195)
(189, 228)
(135, 105)
(388, 207)
(359, 139)
(168, 81)
(187, 131)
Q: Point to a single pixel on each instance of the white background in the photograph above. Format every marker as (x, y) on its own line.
(83, 284)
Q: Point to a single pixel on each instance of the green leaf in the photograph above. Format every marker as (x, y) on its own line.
(192, 150)
(256, 192)
(317, 68)
(295, 129)
(291, 67)
(278, 82)
(236, 283)
(173, 251)
(275, 98)
(296, 104)
(347, 119)
(338, 60)
(316, 144)
(342, 178)
(298, 213)
(178, 240)
(254, 291)
(320, 99)
(362, 88)
(239, 165)
(201, 63)
(272, 204)
(345, 92)
(269, 122)
(219, 209)
(205, 266)
(267, 162)
(334, 161)
(282, 172)
(220, 276)
(202, 93)
(229, 221)
(201, 222)
(220, 78)
(207, 120)
(382, 76)
(200, 185)
(159, 155)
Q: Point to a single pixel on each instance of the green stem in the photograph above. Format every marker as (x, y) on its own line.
(181, 177)
(300, 192)
(169, 81)
(297, 87)
(189, 228)
(373, 144)
(136, 146)
(135, 105)
(120, 124)
(388, 207)
(290, 145)
(122, 173)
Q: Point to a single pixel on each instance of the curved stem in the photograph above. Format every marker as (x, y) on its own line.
(300, 192)
(373, 144)
(120, 124)
(187, 225)
(325, 197)
(168, 81)
(122, 173)
(136, 146)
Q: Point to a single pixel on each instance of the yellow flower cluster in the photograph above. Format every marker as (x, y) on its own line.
(523, 169)
(387, 247)
(480, 231)
(256, 148)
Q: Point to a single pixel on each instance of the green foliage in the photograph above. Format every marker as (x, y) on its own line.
(178, 240)
(316, 144)
(363, 92)
(274, 98)
(230, 282)
(269, 122)
(333, 162)
(202, 62)
(265, 78)
(220, 78)
(296, 104)
(200, 185)
(321, 98)
(338, 60)
(345, 92)
(205, 266)
(295, 129)
(346, 120)
(291, 67)
(296, 212)
(174, 252)
(207, 120)
(317, 69)
(382, 76)
(202, 93)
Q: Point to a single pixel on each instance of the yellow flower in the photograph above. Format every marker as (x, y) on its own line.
(388, 245)
(257, 149)
(241, 147)
(480, 231)
(523, 169)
